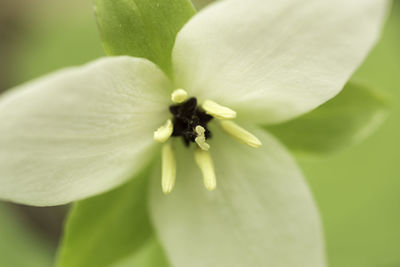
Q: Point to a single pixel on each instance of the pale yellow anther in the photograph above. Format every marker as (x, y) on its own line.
(204, 161)
(240, 134)
(201, 138)
(168, 172)
(179, 96)
(218, 111)
(164, 132)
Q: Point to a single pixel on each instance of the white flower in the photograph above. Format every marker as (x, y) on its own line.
(82, 131)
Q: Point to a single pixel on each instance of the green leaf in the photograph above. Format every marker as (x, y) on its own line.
(344, 120)
(107, 228)
(151, 254)
(142, 28)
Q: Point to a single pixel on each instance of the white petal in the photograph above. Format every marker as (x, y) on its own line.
(261, 214)
(80, 131)
(274, 60)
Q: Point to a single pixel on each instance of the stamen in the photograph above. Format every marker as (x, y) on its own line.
(164, 132)
(201, 138)
(218, 111)
(168, 169)
(240, 134)
(179, 96)
(204, 161)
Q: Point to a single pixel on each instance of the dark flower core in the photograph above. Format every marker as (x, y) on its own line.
(187, 116)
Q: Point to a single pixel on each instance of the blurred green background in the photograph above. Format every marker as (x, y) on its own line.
(357, 190)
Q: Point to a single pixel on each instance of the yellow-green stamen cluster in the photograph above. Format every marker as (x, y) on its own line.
(197, 134)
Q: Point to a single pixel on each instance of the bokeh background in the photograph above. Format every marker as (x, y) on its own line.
(357, 190)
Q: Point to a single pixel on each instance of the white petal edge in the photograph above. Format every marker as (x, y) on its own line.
(80, 131)
(274, 60)
(261, 214)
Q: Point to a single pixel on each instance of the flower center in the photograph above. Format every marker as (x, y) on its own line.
(187, 117)
(190, 121)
